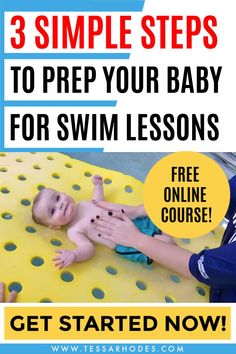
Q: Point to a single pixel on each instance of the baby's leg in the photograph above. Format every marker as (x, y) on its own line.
(166, 238)
(98, 193)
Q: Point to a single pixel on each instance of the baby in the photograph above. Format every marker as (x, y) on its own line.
(55, 209)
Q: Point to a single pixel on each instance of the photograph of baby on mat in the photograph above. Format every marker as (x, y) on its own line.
(52, 203)
(54, 209)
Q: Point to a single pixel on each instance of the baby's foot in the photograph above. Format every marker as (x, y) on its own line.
(97, 180)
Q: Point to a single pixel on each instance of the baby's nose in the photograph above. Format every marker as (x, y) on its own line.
(60, 203)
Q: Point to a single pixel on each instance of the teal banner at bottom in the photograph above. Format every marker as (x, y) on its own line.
(117, 348)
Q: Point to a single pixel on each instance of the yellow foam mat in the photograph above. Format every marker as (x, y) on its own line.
(27, 249)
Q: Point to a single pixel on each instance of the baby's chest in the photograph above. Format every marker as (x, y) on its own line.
(88, 215)
(88, 211)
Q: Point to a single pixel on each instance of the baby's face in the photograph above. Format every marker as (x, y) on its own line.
(54, 208)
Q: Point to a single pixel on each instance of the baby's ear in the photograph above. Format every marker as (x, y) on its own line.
(54, 227)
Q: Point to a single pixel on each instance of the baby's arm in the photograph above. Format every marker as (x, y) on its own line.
(98, 193)
(85, 250)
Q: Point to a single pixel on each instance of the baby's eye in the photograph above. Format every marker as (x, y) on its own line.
(58, 197)
(52, 211)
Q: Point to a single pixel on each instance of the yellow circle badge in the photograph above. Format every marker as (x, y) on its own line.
(186, 194)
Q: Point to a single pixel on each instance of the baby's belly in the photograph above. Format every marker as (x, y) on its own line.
(97, 236)
(87, 212)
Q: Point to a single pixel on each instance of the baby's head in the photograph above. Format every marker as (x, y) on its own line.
(52, 208)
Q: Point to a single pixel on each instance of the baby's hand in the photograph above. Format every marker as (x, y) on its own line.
(97, 179)
(64, 259)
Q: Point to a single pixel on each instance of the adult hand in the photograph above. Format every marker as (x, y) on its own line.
(132, 212)
(122, 231)
(12, 296)
(118, 229)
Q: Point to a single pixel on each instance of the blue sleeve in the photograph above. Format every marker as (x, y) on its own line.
(231, 208)
(215, 267)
